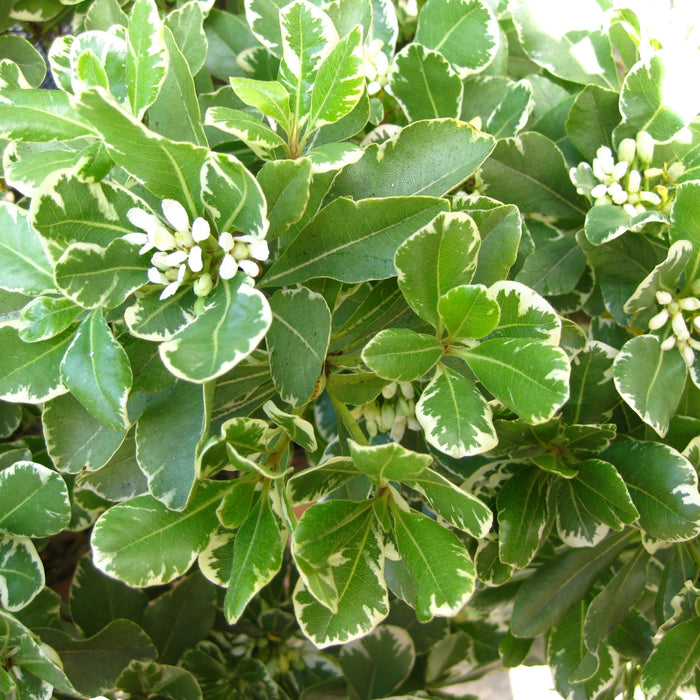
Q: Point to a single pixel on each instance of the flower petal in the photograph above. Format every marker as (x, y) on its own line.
(175, 214)
(195, 259)
(228, 267)
(142, 219)
(200, 229)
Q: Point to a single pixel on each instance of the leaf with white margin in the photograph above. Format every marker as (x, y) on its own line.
(168, 433)
(438, 562)
(45, 317)
(469, 311)
(146, 58)
(33, 500)
(25, 267)
(259, 137)
(169, 169)
(66, 209)
(308, 36)
(94, 277)
(665, 491)
(216, 558)
(427, 269)
(165, 543)
(257, 557)
(263, 18)
(593, 501)
(459, 508)
(310, 485)
(465, 32)
(40, 115)
(353, 241)
(234, 321)
(21, 572)
(297, 342)
(298, 430)
(424, 84)
(356, 568)
(232, 196)
(153, 318)
(401, 355)
(380, 662)
(456, 418)
(269, 96)
(339, 82)
(685, 223)
(524, 313)
(529, 376)
(97, 372)
(650, 380)
(390, 462)
(30, 372)
(672, 661)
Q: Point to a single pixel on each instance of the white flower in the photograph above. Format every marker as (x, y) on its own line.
(200, 229)
(659, 320)
(176, 215)
(175, 284)
(194, 260)
(228, 267)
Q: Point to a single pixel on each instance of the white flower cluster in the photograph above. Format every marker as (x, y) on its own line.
(627, 181)
(186, 252)
(395, 412)
(375, 67)
(685, 322)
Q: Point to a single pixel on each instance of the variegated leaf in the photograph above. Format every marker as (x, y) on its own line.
(21, 572)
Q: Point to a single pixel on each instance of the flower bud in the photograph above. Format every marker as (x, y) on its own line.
(675, 171)
(203, 285)
(688, 355)
(663, 297)
(668, 343)
(627, 150)
(645, 146)
(620, 169)
(679, 328)
(599, 191)
(653, 172)
(388, 417)
(630, 209)
(634, 181)
(389, 390)
(650, 198)
(659, 320)
(407, 389)
(398, 429)
(240, 250)
(689, 303)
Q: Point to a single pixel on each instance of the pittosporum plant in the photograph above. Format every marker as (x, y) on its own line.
(349, 349)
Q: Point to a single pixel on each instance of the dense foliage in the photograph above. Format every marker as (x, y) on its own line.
(349, 349)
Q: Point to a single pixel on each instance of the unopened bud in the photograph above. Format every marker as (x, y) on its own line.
(627, 150)
(389, 390)
(663, 297)
(689, 303)
(668, 343)
(203, 285)
(675, 171)
(645, 146)
(634, 181)
(659, 320)
(620, 169)
(679, 328)
(407, 389)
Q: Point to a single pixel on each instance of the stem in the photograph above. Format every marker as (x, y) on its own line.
(344, 415)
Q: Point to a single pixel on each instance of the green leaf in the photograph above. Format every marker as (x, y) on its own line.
(468, 311)
(571, 47)
(234, 321)
(153, 318)
(285, 184)
(25, 267)
(438, 562)
(21, 572)
(34, 500)
(529, 376)
(465, 32)
(40, 115)
(522, 516)
(30, 61)
(170, 170)
(665, 492)
(612, 605)
(342, 541)
(592, 118)
(651, 101)
(425, 84)
(650, 380)
(401, 354)
(257, 557)
(339, 83)
(165, 544)
(144, 678)
(146, 58)
(300, 431)
(554, 267)
(269, 96)
(297, 342)
(45, 317)
(378, 663)
(310, 485)
(414, 161)
(672, 661)
(308, 36)
(455, 416)
(185, 23)
(260, 138)
(94, 663)
(529, 171)
(101, 277)
(685, 223)
(97, 372)
(456, 506)
(235, 505)
(511, 115)
(66, 210)
(545, 598)
(31, 371)
(390, 462)
(96, 599)
(167, 436)
(595, 499)
(353, 241)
